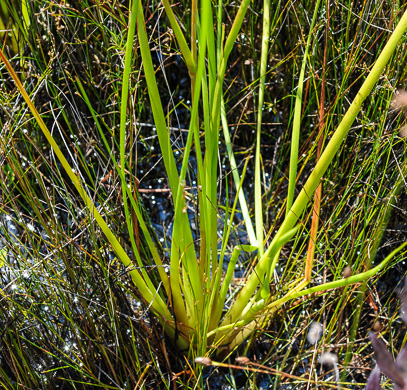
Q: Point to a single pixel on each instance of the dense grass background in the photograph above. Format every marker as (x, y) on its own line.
(70, 317)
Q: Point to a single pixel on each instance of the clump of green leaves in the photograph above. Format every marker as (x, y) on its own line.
(192, 301)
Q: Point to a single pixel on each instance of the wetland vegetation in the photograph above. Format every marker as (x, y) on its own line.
(200, 194)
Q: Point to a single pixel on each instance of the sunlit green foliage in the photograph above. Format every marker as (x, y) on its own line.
(84, 265)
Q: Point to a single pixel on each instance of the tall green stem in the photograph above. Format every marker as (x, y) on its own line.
(257, 178)
(315, 177)
(295, 139)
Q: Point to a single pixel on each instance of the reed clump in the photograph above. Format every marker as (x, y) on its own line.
(109, 109)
